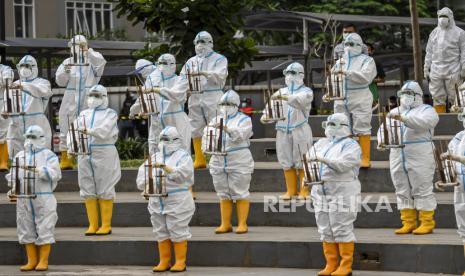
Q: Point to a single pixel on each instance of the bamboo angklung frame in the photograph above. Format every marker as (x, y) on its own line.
(155, 186)
(445, 168)
(311, 169)
(79, 140)
(12, 101)
(27, 187)
(334, 93)
(390, 132)
(274, 110)
(193, 79)
(147, 100)
(77, 58)
(459, 97)
(215, 139)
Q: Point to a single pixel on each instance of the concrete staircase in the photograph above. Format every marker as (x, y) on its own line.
(282, 234)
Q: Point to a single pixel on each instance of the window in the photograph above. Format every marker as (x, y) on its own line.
(24, 18)
(88, 17)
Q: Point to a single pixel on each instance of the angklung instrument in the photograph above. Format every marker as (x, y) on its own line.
(274, 110)
(154, 178)
(25, 186)
(79, 137)
(148, 100)
(216, 139)
(334, 83)
(445, 168)
(194, 78)
(312, 174)
(390, 136)
(13, 100)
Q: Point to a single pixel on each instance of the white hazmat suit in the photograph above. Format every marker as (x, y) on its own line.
(293, 132)
(6, 77)
(36, 218)
(170, 99)
(413, 166)
(445, 59)
(358, 70)
(35, 96)
(77, 80)
(203, 107)
(171, 215)
(336, 200)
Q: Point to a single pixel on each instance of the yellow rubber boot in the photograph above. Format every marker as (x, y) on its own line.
(106, 212)
(32, 258)
(440, 108)
(92, 216)
(291, 184)
(243, 207)
(226, 206)
(365, 143)
(427, 223)
(303, 193)
(180, 251)
(409, 221)
(3, 157)
(330, 250)
(164, 251)
(200, 161)
(66, 162)
(346, 252)
(44, 252)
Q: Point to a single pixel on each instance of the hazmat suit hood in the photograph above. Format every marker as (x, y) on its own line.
(144, 67)
(415, 87)
(357, 47)
(341, 128)
(170, 140)
(93, 102)
(203, 49)
(31, 61)
(293, 81)
(35, 138)
(450, 15)
(166, 64)
(229, 103)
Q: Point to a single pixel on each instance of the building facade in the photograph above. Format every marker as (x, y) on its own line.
(60, 18)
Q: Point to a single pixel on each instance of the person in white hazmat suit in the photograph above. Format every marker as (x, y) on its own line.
(36, 218)
(77, 78)
(6, 77)
(170, 215)
(294, 132)
(444, 60)
(456, 151)
(232, 173)
(35, 95)
(100, 171)
(413, 166)
(336, 201)
(213, 68)
(358, 71)
(144, 68)
(171, 96)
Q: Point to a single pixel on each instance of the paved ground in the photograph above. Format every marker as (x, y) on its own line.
(192, 271)
(277, 234)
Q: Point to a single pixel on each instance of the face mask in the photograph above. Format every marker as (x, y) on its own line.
(345, 35)
(406, 101)
(167, 147)
(443, 22)
(330, 132)
(202, 49)
(94, 102)
(25, 72)
(33, 143)
(290, 79)
(167, 70)
(228, 110)
(350, 51)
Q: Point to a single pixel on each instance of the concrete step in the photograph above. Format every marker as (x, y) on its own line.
(191, 271)
(448, 125)
(267, 177)
(378, 210)
(264, 149)
(277, 247)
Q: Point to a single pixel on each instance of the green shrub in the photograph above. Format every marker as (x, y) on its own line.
(132, 148)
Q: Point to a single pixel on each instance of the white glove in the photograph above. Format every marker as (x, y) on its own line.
(41, 173)
(457, 158)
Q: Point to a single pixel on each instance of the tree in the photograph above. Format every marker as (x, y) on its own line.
(181, 20)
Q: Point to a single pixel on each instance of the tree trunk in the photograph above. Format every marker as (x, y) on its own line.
(417, 53)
